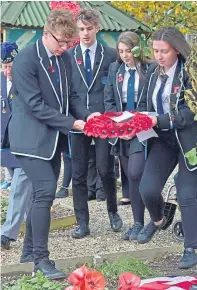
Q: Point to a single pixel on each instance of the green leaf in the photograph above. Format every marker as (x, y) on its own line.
(146, 51)
(170, 12)
(136, 51)
(192, 156)
(195, 118)
(47, 284)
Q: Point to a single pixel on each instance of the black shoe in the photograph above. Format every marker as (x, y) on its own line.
(149, 230)
(101, 199)
(80, 232)
(91, 196)
(5, 242)
(48, 269)
(115, 221)
(123, 202)
(27, 259)
(63, 192)
(133, 232)
(189, 259)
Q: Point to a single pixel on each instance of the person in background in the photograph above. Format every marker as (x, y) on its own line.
(177, 134)
(20, 186)
(122, 92)
(90, 64)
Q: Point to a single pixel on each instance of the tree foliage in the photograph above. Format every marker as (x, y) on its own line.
(156, 14)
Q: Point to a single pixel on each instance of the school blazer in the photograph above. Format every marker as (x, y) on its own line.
(180, 116)
(113, 97)
(39, 115)
(92, 96)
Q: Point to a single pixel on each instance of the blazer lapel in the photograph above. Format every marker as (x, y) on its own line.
(64, 82)
(99, 55)
(152, 83)
(47, 67)
(79, 63)
(119, 79)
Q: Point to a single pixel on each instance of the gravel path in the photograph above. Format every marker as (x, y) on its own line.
(101, 240)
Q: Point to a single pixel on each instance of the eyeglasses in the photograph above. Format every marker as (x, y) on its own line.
(60, 42)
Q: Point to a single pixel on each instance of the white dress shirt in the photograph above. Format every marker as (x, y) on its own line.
(167, 90)
(125, 83)
(9, 84)
(92, 53)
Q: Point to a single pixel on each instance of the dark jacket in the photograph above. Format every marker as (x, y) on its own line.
(7, 159)
(40, 115)
(181, 116)
(92, 96)
(113, 103)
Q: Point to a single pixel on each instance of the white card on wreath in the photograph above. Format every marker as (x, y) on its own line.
(124, 117)
(145, 135)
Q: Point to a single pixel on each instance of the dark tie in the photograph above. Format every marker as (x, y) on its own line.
(56, 75)
(131, 91)
(88, 68)
(160, 110)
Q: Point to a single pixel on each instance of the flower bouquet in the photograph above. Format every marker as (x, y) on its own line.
(107, 126)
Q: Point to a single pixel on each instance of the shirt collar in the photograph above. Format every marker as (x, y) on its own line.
(49, 53)
(171, 71)
(128, 68)
(91, 48)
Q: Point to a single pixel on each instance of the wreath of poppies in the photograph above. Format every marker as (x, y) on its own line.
(104, 127)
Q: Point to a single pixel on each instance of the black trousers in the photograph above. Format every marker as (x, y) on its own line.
(43, 175)
(94, 182)
(80, 145)
(133, 166)
(67, 170)
(161, 161)
(124, 182)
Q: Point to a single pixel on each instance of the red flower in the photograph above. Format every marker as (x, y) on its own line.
(120, 78)
(176, 89)
(129, 281)
(72, 288)
(51, 69)
(71, 6)
(94, 281)
(79, 61)
(77, 277)
(103, 127)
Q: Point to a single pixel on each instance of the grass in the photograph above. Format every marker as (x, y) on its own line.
(113, 270)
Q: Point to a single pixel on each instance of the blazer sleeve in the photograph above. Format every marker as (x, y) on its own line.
(142, 103)
(26, 86)
(109, 97)
(178, 119)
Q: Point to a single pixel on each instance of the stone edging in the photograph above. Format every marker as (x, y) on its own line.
(146, 254)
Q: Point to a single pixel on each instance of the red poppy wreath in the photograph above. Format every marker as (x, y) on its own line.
(104, 127)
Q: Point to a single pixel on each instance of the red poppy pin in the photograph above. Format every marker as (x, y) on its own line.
(51, 69)
(120, 78)
(176, 89)
(79, 61)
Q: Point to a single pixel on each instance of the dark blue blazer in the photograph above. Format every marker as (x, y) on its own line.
(39, 114)
(92, 96)
(7, 159)
(182, 117)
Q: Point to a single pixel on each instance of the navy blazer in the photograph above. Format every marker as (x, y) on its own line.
(92, 96)
(7, 159)
(113, 101)
(40, 115)
(180, 114)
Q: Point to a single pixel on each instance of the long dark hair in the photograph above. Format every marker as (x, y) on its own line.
(174, 38)
(131, 39)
